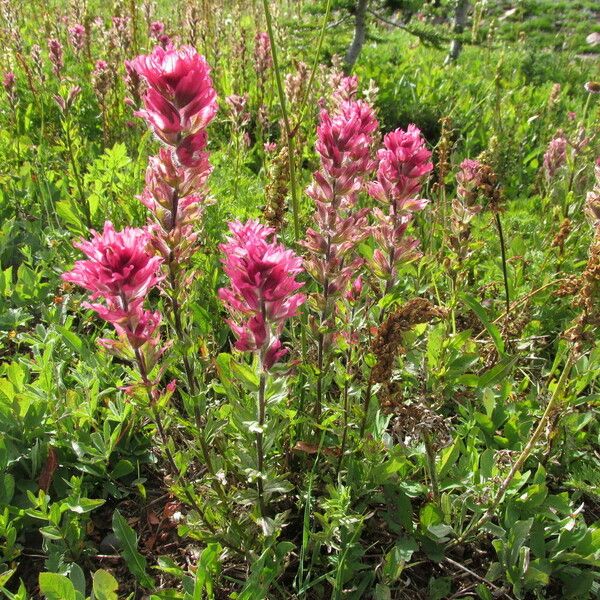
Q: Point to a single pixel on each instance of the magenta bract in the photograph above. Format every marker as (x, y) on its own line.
(263, 288)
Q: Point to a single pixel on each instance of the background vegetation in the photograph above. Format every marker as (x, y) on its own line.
(88, 507)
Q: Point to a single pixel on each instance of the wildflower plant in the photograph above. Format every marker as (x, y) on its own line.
(344, 145)
(305, 380)
(262, 296)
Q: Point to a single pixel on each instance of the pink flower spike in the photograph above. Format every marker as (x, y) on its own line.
(556, 155)
(118, 264)
(404, 161)
(180, 98)
(77, 37)
(263, 289)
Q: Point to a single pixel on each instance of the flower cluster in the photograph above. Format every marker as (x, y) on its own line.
(468, 181)
(344, 142)
(178, 105)
(404, 161)
(592, 201)
(8, 83)
(346, 90)
(120, 269)
(77, 37)
(556, 155)
(465, 206)
(55, 53)
(263, 292)
(180, 100)
(101, 81)
(262, 54)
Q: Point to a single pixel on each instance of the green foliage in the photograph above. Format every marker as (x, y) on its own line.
(87, 488)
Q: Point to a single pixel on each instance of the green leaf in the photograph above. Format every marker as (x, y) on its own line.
(518, 535)
(105, 586)
(77, 577)
(489, 401)
(84, 505)
(4, 577)
(439, 588)
(482, 316)
(397, 557)
(72, 339)
(128, 540)
(430, 515)
(56, 587)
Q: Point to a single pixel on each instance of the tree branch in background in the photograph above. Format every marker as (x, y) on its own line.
(360, 32)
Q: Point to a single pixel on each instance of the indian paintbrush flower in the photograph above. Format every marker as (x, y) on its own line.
(263, 292)
(77, 37)
(262, 53)
(180, 100)
(55, 52)
(556, 155)
(120, 269)
(404, 162)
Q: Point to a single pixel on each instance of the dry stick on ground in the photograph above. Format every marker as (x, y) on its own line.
(496, 589)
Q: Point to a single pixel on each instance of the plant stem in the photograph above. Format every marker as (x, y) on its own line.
(82, 200)
(289, 134)
(259, 440)
(175, 473)
(430, 452)
(345, 423)
(525, 453)
(503, 252)
(366, 405)
(311, 78)
(192, 387)
(321, 336)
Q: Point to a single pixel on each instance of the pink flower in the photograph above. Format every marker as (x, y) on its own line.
(262, 53)
(157, 28)
(353, 294)
(263, 289)
(118, 264)
(592, 201)
(237, 105)
(556, 155)
(403, 163)
(8, 82)
(77, 37)
(138, 325)
(55, 51)
(132, 82)
(180, 100)
(170, 192)
(344, 142)
(120, 270)
(468, 180)
(346, 89)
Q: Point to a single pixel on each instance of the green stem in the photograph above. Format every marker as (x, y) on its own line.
(259, 440)
(346, 411)
(366, 406)
(303, 105)
(82, 200)
(503, 252)
(430, 453)
(289, 134)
